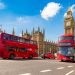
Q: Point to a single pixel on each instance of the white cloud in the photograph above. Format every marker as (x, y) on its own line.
(65, 14)
(72, 8)
(50, 10)
(22, 19)
(2, 5)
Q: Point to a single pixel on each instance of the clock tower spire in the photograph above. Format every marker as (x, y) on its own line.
(69, 22)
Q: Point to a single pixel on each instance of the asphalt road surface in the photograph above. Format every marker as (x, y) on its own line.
(36, 67)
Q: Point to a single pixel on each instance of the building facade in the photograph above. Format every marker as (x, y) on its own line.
(26, 35)
(39, 37)
(50, 47)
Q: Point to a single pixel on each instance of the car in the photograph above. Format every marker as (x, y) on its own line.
(48, 55)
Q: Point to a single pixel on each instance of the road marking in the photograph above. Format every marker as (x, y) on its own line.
(69, 72)
(25, 74)
(70, 66)
(60, 68)
(45, 70)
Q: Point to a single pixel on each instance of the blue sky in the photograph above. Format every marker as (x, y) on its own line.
(26, 14)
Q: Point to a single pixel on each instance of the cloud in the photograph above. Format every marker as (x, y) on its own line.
(65, 15)
(22, 19)
(2, 5)
(72, 9)
(19, 19)
(50, 10)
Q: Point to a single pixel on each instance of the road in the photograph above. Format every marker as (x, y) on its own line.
(36, 67)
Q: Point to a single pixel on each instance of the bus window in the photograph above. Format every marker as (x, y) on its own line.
(31, 42)
(23, 49)
(34, 42)
(27, 41)
(15, 38)
(20, 40)
(23, 40)
(15, 49)
(10, 48)
(5, 36)
(11, 38)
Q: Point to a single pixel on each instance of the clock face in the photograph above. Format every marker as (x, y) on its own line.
(68, 23)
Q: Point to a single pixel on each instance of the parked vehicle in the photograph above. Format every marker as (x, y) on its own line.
(48, 55)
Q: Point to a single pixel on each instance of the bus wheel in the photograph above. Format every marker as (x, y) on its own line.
(11, 56)
(31, 56)
(4, 58)
(62, 60)
(43, 57)
(73, 59)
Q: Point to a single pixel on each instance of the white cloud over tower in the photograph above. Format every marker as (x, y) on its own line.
(50, 10)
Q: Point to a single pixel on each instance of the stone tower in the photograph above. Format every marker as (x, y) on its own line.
(69, 23)
(39, 37)
(26, 35)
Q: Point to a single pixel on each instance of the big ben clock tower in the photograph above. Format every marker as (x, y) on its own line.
(69, 23)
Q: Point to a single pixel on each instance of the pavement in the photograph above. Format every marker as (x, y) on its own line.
(36, 67)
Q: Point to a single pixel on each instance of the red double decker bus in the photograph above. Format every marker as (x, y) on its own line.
(12, 47)
(66, 46)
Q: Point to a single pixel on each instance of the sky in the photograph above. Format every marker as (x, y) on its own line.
(26, 14)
